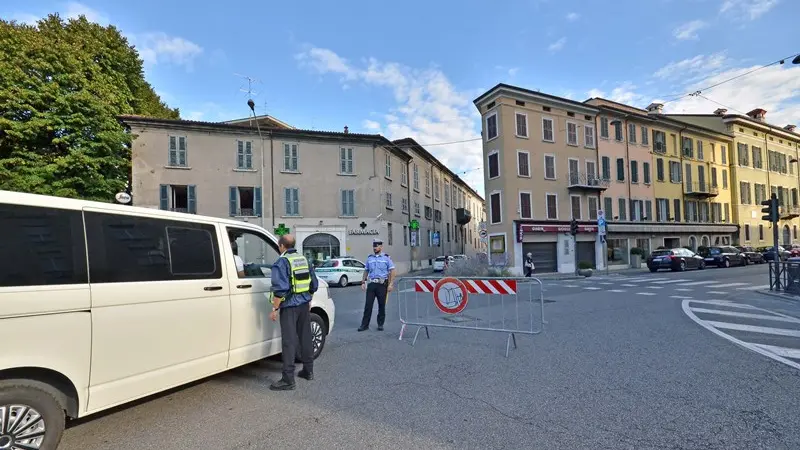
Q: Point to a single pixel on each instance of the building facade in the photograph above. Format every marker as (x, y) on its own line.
(335, 191)
(540, 172)
(763, 160)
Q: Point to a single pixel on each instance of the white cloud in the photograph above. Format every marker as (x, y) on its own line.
(75, 10)
(572, 17)
(747, 9)
(371, 125)
(624, 93)
(557, 45)
(689, 30)
(702, 65)
(428, 107)
(156, 48)
(775, 88)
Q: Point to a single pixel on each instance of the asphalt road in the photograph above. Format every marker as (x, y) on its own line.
(620, 365)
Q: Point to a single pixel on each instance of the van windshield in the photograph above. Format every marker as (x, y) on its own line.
(440, 258)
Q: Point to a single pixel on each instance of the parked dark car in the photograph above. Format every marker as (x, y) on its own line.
(769, 254)
(724, 256)
(674, 259)
(751, 255)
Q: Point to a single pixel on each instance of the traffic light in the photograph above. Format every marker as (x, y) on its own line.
(573, 227)
(770, 210)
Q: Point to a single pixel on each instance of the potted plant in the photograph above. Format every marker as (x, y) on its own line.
(585, 268)
(636, 257)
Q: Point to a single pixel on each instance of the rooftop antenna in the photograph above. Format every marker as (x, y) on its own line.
(250, 82)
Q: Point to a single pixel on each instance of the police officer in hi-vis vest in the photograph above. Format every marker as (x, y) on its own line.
(293, 285)
(377, 282)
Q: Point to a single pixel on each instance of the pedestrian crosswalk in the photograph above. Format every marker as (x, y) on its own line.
(769, 333)
(647, 285)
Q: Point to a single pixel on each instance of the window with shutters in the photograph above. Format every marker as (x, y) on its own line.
(606, 163)
(745, 193)
(688, 147)
(659, 169)
(522, 125)
(404, 205)
(646, 172)
(620, 169)
(662, 210)
(404, 175)
(700, 150)
(622, 208)
(632, 133)
(416, 177)
(676, 214)
(551, 203)
(491, 127)
(604, 127)
(244, 155)
(713, 177)
(645, 136)
(659, 142)
(495, 208)
(178, 198)
(388, 166)
(547, 130)
(575, 204)
(245, 201)
(523, 164)
(525, 205)
(346, 165)
(758, 158)
(593, 205)
(389, 204)
(178, 151)
(549, 167)
(724, 174)
(608, 207)
(742, 157)
(291, 198)
(572, 133)
(618, 131)
(588, 135)
(348, 202)
(634, 171)
(290, 157)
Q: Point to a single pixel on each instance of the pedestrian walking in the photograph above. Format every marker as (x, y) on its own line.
(377, 283)
(529, 264)
(293, 286)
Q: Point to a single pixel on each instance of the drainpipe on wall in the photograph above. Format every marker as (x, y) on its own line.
(271, 176)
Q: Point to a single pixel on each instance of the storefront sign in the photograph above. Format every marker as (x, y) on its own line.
(555, 229)
(363, 232)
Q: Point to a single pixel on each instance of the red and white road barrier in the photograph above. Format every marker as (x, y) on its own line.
(495, 287)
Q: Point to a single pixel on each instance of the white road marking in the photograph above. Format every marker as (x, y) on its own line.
(720, 286)
(716, 292)
(570, 285)
(780, 351)
(607, 284)
(645, 293)
(629, 285)
(722, 312)
(680, 296)
(654, 287)
(747, 345)
(616, 290)
(754, 328)
(592, 288)
(698, 283)
(670, 281)
(753, 288)
(638, 280)
(726, 303)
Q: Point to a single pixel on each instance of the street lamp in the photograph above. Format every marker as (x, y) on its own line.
(796, 60)
(252, 106)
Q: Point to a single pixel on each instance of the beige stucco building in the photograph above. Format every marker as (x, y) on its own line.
(335, 191)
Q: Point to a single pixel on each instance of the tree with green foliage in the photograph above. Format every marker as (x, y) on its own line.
(62, 86)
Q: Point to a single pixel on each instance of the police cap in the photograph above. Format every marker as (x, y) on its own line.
(376, 242)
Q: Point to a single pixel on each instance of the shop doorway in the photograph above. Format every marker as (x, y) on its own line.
(320, 247)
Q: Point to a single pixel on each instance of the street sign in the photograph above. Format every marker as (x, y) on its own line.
(483, 225)
(601, 222)
(414, 225)
(414, 234)
(482, 234)
(450, 295)
(435, 239)
(281, 230)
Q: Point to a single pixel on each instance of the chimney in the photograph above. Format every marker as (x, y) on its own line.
(758, 114)
(720, 112)
(346, 130)
(790, 127)
(655, 108)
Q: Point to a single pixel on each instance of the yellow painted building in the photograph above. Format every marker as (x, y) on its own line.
(763, 159)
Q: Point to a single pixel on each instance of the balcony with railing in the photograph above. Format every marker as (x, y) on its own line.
(789, 212)
(587, 182)
(700, 190)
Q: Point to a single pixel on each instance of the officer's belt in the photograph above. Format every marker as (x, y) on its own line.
(377, 280)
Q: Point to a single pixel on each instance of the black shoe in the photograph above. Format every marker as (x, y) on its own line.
(282, 385)
(380, 327)
(363, 328)
(306, 375)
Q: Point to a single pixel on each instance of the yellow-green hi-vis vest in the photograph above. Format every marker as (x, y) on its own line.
(299, 273)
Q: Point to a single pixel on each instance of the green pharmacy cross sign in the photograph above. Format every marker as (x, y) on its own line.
(414, 225)
(281, 230)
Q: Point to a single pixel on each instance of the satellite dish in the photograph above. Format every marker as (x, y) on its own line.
(123, 197)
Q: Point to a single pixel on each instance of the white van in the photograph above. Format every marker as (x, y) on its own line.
(102, 304)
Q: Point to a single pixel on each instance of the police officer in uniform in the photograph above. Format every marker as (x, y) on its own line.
(293, 285)
(377, 282)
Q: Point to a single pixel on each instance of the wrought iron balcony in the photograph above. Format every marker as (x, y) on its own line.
(584, 181)
(701, 190)
(789, 212)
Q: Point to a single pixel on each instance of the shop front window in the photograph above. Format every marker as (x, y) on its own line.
(617, 251)
(321, 247)
(644, 244)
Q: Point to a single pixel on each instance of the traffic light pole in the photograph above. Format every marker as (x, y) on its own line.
(772, 215)
(573, 230)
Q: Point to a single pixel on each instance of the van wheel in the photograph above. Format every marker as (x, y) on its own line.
(343, 282)
(30, 416)
(318, 334)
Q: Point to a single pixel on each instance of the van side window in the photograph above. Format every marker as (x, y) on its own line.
(257, 252)
(41, 246)
(125, 249)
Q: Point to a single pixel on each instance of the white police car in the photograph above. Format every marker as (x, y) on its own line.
(341, 271)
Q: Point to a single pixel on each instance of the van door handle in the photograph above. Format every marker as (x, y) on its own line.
(244, 286)
(212, 288)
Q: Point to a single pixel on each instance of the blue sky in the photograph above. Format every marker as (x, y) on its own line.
(413, 68)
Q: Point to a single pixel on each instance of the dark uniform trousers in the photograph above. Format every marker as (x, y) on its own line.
(296, 335)
(379, 291)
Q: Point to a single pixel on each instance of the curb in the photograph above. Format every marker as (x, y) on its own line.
(787, 297)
